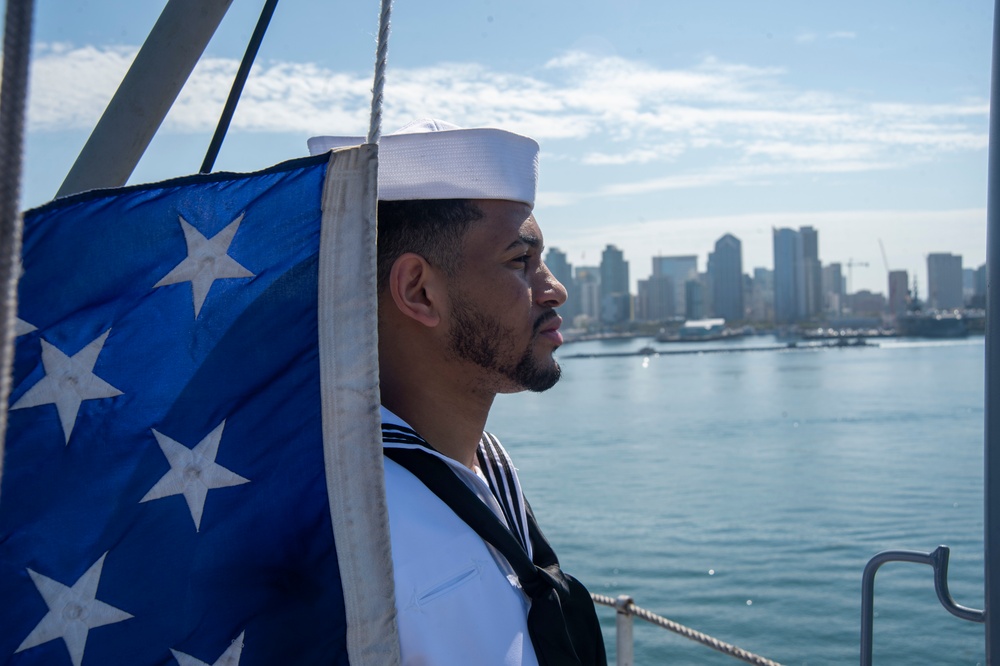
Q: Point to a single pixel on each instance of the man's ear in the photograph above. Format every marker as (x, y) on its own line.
(417, 289)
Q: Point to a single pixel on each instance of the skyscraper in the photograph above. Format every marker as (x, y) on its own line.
(562, 270)
(944, 281)
(616, 303)
(679, 270)
(812, 271)
(833, 288)
(727, 279)
(655, 301)
(899, 292)
(588, 285)
(762, 300)
(789, 277)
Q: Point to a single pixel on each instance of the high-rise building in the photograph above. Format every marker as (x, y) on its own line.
(980, 282)
(833, 288)
(726, 271)
(694, 300)
(762, 300)
(899, 292)
(614, 271)
(588, 285)
(944, 281)
(812, 271)
(614, 286)
(979, 293)
(562, 270)
(655, 301)
(679, 270)
(968, 284)
(789, 277)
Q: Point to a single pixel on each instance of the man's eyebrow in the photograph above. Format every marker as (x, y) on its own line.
(530, 240)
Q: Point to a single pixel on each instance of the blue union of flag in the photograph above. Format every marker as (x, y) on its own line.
(164, 492)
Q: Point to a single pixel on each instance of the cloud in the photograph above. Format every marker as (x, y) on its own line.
(736, 121)
(808, 37)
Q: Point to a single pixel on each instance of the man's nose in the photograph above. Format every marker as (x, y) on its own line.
(551, 292)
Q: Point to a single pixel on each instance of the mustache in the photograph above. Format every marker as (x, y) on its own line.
(544, 319)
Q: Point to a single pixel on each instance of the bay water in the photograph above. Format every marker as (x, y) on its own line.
(742, 494)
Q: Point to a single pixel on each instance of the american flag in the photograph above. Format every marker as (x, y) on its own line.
(163, 498)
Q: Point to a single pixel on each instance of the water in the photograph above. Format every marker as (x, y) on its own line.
(742, 494)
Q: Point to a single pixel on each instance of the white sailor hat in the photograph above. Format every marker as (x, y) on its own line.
(433, 159)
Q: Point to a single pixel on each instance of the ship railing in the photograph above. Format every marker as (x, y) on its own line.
(938, 560)
(626, 610)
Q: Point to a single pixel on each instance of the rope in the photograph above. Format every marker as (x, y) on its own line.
(13, 99)
(687, 632)
(381, 52)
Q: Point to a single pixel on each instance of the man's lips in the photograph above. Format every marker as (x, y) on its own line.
(548, 327)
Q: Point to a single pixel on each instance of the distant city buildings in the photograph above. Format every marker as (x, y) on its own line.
(899, 292)
(762, 299)
(678, 270)
(799, 289)
(789, 277)
(812, 272)
(944, 281)
(978, 299)
(726, 272)
(833, 289)
(588, 289)
(616, 302)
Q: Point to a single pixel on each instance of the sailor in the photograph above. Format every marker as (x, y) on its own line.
(467, 310)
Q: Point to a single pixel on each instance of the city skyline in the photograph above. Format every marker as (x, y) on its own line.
(848, 274)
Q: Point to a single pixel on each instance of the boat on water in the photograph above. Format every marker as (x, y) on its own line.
(846, 334)
(932, 324)
(701, 330)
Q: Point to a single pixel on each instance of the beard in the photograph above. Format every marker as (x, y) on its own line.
(483, 340)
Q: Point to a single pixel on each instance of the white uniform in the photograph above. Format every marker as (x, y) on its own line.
(458, 603)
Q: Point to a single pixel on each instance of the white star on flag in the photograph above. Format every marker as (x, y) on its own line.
(22, 327)
(73, 612)
(207, 261)
(193, 472)
(231, 657)
(68, 381)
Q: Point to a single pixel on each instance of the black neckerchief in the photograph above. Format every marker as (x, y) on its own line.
(562, 621)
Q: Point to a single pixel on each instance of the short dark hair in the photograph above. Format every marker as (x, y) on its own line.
(432, 228)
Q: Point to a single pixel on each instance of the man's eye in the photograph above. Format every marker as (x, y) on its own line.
(523, 259)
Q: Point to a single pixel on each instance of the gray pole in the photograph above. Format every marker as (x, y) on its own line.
(991, 462)
(13, 101)
(145, 95)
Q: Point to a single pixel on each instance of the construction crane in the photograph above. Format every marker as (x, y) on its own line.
(850, 271)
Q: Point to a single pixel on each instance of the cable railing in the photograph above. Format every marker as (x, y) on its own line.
(624, 645)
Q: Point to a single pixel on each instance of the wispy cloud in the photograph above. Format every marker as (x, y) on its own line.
(742, 121)
(809, 37)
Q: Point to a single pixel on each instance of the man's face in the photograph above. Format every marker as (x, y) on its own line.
(503, 301)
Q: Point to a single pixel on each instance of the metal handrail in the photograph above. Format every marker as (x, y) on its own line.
(624, 647)
(938, 559)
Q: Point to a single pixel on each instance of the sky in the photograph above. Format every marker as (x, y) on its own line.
(663, 124)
